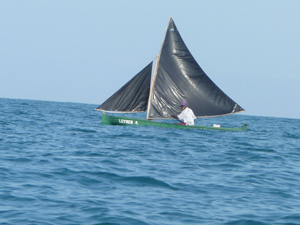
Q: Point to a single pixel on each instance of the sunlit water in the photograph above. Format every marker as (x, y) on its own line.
(59, 165)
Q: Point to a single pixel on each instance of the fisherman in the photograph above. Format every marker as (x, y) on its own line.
(187, 116)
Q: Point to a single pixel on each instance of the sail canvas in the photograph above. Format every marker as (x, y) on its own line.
(133, 96)
(180, 78)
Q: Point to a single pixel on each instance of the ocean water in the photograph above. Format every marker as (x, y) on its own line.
(59, 165)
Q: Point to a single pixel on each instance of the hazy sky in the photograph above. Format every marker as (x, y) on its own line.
(84, 51)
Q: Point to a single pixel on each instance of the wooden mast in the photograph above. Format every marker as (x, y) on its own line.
(155, 72)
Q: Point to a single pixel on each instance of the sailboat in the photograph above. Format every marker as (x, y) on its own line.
(176, 77)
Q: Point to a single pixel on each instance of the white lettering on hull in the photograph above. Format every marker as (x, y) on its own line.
(130, 122)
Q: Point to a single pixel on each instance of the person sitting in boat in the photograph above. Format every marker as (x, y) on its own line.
(187, 115)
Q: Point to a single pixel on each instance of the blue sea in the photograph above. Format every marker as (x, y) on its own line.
(59, 165)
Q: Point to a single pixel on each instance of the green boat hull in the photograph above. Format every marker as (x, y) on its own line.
(125, 121)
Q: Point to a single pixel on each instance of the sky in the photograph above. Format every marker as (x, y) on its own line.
(83, 51)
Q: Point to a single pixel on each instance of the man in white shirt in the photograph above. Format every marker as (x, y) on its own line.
(187, 115)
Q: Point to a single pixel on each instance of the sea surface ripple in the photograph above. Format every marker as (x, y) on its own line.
(59, 165)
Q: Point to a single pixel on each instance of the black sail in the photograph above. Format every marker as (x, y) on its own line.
(133, 96)
(180, 78)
